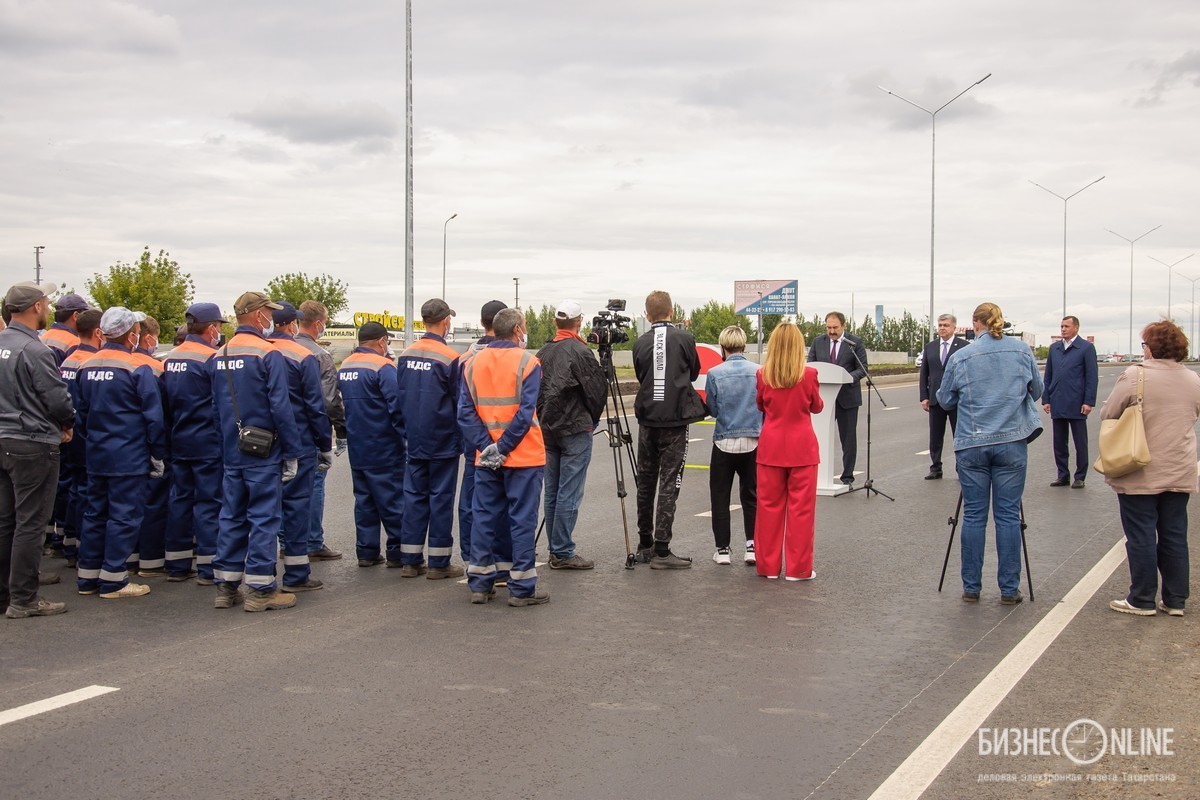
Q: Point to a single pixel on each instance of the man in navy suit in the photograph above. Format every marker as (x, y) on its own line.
(1069, 396)
(933, 366)
(835, 347)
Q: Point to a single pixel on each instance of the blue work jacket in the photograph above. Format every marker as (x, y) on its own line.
(74, 452)
(120, 413)
(259, 376)
(374, 419)
(731, 397)
(308, 397)
(429, 372)
(188, 387)
(995, 384)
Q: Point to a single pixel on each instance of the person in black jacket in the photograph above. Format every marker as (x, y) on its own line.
(836, 347)
(571, 398)
(933, 366)
(666, 363)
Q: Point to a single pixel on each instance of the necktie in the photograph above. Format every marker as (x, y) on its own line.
(945, 352)
(833, 351)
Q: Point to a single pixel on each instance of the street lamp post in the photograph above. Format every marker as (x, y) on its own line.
(1065, 199)
(1192, 318)
(933, 181)
(444, 224)
(1170, 269)
(409, 271)
(517, 293)
(37, 269)
(1131, 243)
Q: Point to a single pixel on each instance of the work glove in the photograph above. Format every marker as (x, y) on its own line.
(325, 461)
(290, 466)
(340, 446)
(491, 458)
(157, 467)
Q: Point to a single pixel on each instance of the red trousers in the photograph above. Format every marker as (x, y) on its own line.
(783, 532)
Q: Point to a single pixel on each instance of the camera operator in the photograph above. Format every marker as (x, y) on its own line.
(665, 362)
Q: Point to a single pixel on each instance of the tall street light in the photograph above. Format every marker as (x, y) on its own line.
(933, 183)
(1131, 243)
(1192, 281)
(409, 274)
(1170, 268)
(1065, 199)
(444, 224)
(517, 293)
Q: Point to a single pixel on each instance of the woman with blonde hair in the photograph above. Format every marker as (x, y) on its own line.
(788, 454)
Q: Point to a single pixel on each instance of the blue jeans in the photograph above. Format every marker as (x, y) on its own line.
(316, 529)
(567, 459)
(992, 475)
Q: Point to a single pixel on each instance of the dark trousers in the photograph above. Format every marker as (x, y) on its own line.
(112, 523)
(1078, 432)
(721, 471)
(660, 459)
(501, 543)
(1156, 543)
(296, 516)
(429, 485)
(937, 433)
(151, 552)
(847, 423)
(28, 483)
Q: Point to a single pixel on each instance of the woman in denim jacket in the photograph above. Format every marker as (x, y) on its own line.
(730, 389)
(995, 385)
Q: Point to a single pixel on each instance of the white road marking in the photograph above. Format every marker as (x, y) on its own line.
(51, 703)
(694, 440)
(709, 513)
(922, 453)
(925, 763)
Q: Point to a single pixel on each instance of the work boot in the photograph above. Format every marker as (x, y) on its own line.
(479, 598)
(439, 573)
(310, 585)
(574, 562)
(538, 597)
(180, 577)
(152, 572)
(645, 554)
(370, 562)
(227, 595)
(413, 570)
(128, 590)
(268, 600)
(670, 561)
(324, 554)
(40, 608)
(48, 578)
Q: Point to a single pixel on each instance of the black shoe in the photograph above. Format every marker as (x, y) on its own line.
(848, 481)
(1060, 482)
(670, 561)
(324, 554)
(180, 577)
(310, 585)
(538, 597)
(1011, 599)
(934, 475)
(970, 597)
(645, 554)
(1078, 484)
(370, 562)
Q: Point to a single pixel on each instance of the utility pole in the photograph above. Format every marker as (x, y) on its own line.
(409, 274)
(37, 270)
(517, 293)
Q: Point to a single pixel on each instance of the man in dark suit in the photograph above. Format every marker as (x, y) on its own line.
(1070, 394)
(933, 366)
(834, 347)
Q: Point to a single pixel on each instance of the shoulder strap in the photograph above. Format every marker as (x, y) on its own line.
(1141, 383)
(232, 393)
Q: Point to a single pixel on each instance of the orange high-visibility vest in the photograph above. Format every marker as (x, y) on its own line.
(494, 377)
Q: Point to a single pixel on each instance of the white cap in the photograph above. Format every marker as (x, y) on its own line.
(118, 320)
(568, 309)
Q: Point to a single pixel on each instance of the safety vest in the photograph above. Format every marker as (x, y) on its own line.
(494, 378)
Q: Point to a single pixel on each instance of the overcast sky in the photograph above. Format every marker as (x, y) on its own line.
(608, 149)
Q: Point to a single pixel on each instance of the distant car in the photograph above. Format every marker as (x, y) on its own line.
(920, 358)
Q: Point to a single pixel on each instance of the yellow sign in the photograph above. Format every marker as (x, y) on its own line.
(393, 322)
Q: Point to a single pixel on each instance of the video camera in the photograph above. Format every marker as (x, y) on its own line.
(610, 326)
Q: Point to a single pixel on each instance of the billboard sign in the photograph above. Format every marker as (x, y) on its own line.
(764, 297)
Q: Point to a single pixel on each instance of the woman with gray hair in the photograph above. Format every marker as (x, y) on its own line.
(731, 402)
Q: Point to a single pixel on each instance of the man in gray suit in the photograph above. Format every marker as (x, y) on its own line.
(836, 347)
(933, 366)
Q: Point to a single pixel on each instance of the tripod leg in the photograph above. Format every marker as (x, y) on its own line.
(1025, 548)
(953, 521)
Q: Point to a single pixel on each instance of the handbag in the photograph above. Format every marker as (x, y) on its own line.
(252, 441)
(1123, 447)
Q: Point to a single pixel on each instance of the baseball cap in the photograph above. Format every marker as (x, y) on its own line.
(568, 309)
(119, 320)
(252, 301)
(370, 331)
(490, 310)
(436, 310)
(20, 296)
(284, 313)
(71, 302)
(203, 313)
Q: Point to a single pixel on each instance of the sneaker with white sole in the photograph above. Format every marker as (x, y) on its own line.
(749, 557)
(722, 555)
(811, 575)
(1124, 607)
(1170, 612)
(128, 590)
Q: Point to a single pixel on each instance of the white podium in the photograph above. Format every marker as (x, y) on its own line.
(832, 378)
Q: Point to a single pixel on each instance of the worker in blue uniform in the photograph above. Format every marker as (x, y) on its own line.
(428, 373)
(194, 506)
(120, 415)
(260, 447)
(150, 558)
(375, 433)
(316, 440)
(498, 414)
(74, 453)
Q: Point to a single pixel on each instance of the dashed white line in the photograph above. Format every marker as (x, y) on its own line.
(51, 703)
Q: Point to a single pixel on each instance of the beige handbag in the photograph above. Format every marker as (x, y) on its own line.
(1123, 447)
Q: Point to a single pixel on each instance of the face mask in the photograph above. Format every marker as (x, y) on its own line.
(524, 339)
(216, 338)
(268, 326)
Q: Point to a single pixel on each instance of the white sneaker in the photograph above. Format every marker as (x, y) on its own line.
(749, 557)
(811, 575)
(128, 590)
(721, 556)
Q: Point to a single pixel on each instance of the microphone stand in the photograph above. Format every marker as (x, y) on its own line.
(868, 484)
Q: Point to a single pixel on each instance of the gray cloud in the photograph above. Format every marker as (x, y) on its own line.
(1184, 68)
(300, 121)
(93, 25)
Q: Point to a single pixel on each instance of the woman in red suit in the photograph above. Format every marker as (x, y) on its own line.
(788, 454)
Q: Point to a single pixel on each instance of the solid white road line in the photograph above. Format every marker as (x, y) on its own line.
(709, 512)
(51, 703)
(925, 763)
(922, 453)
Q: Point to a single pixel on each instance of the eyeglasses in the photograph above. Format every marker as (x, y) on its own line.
(1145, 345)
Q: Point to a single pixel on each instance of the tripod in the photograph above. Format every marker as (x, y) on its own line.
(616, 420)
(953, 523)
(868, 484)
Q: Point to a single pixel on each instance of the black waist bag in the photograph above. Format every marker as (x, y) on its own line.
(251, 440)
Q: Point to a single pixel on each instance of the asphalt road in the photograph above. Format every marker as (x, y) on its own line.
(630, 683)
